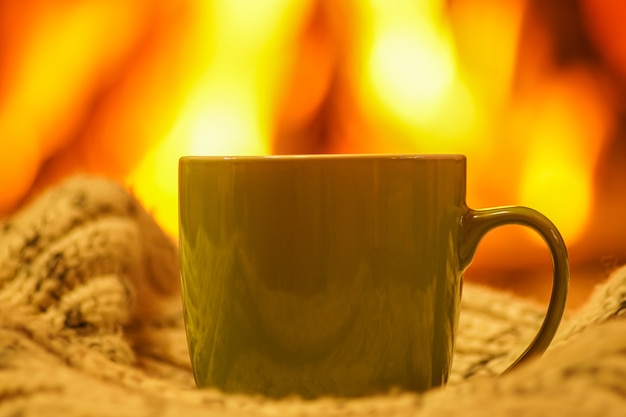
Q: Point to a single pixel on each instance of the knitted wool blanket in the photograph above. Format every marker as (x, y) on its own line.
(91, 324)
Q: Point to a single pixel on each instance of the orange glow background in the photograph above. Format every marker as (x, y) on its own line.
(533, 94)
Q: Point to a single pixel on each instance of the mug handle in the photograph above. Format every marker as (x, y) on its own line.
(476, 223)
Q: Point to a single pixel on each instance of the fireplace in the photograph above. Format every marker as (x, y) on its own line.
(532, 92)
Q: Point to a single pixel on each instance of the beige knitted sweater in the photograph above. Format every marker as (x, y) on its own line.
(91, 324)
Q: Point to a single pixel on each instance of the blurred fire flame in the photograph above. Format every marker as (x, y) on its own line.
(126, 88)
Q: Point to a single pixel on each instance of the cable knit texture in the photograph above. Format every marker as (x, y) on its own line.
(91, 324)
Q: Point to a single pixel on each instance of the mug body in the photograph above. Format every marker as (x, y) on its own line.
(321, 275)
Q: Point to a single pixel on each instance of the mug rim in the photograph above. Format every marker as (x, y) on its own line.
(337, 156)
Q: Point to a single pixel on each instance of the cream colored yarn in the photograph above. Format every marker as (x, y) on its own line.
(91, 324)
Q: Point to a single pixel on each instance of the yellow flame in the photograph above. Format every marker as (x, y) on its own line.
(487, 39)
(411, 68)
(415, 83)
(410, 74)
(559, 188)
(438, 73)
(564, 132)
(230, 106)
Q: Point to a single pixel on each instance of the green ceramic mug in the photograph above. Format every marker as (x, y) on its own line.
(333, 275)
